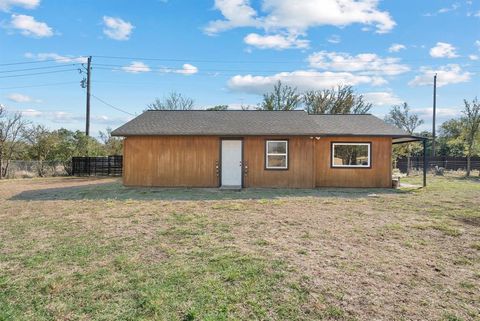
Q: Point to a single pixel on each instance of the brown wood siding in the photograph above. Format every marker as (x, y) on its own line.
(300, 172)
(379, 175)
(171, 161)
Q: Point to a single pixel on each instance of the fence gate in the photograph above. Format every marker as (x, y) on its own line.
(97, 166)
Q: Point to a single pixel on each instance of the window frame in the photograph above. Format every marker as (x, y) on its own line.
(332, 155)
(286, 154)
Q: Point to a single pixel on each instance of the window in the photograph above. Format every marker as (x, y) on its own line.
(276, 154)
(351, 155)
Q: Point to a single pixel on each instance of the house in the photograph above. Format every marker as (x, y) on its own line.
(290, 149)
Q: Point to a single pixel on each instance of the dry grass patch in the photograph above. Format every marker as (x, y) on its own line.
(88, 249)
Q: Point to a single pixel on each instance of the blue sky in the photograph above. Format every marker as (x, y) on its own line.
(230, 51)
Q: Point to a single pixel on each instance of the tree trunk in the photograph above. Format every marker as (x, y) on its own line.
(468, 166)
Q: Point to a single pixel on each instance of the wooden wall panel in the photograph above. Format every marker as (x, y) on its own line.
(171, 161)
(300, 173)
(189, 161)
(379, 175)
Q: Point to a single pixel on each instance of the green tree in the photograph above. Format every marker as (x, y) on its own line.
(174, 101)
(401, 117)
(451, 141)
(42, 147)
(283, 97)
(71, 144)
(342, 100)
(471, 127)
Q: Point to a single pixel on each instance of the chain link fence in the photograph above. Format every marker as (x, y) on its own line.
(30, 169)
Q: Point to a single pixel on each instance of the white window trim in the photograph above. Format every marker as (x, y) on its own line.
(352, 166)
(276, 154)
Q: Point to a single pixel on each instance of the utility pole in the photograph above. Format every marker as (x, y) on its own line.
(87, 120)
(434, 113)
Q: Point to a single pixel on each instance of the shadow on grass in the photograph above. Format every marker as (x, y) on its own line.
(115, 191)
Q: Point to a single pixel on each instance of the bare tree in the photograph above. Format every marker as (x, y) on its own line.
(401, 117)
(471, 126)
(342, 100)
(12, 129)
(283, 97)
(174, 101)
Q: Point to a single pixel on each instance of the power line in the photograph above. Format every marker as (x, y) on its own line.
(173, 69)
(66, 59)
(38, 68)
(111, 106)
(243, 61)
(37, 73)
(42, 85)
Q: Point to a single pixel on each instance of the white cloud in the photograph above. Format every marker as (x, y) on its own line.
(396, 47)
(187, 69)
(237, 13)
(116, 28)
(477, 44)
(302, 79)
(453, 7)
(20, 98)
(473, 57)
(366, 62)
(449, 74)
(31, 113)
(278, 41)
(54, 56)
(440, 112)
(6, 5)
(382, 98)
(136, 67)
(296, 17)
(28, 26)
(443, 50)
(334, 39)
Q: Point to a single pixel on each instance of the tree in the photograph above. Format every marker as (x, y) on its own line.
(175, 101)
(283, 97)
(342, 100)
(218, 107)
(12, 130)
(401, 117)
(43, 145)
(451, 140)
(71, 144)
(471, 126)
(112, 145)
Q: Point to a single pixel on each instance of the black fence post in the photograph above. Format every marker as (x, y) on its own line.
(425, 165)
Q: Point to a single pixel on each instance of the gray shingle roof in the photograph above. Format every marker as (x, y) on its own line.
(248, 123)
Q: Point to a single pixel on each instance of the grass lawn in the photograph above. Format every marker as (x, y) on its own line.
(90, 249)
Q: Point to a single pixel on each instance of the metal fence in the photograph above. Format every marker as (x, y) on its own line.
(446, 162)
(97, 166)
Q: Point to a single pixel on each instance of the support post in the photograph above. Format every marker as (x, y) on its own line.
(87, 116)
(434, 114)
(425, 166)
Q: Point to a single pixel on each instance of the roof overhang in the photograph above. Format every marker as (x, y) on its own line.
(408, 139)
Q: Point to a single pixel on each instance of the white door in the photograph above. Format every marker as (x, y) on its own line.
(232, 163)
